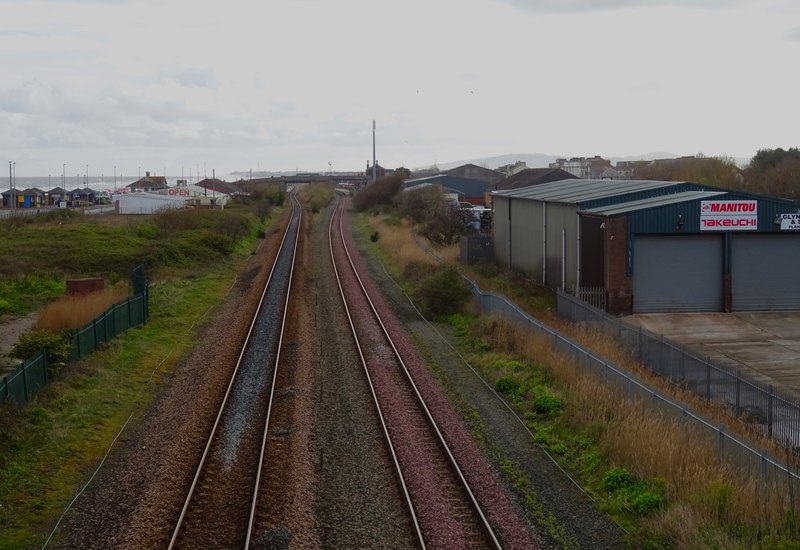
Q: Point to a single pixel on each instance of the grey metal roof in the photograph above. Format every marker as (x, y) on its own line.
(652, 202)
(580, 190)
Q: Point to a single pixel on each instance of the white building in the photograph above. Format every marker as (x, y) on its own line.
(146, 203)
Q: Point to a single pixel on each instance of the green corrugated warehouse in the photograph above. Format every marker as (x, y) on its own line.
(653, 246)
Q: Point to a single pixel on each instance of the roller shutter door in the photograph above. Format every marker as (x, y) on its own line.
(677, 273)
(765, 272)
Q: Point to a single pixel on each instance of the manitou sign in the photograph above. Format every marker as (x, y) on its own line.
(728, 215)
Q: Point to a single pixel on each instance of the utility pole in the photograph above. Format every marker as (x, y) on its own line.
(374, 169)
(10, 186)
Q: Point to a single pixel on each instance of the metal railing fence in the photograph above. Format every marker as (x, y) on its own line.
(25, 380)
(775, 471)
(31, 375)
(129, 313)
(770, 412)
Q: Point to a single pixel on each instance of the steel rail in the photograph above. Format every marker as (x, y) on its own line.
(487, 528)
(220, 412)
(251, 520)
(387, 436)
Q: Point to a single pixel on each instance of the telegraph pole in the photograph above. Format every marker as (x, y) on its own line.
(374, 169)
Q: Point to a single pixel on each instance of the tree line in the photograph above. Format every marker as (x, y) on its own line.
(771, 172)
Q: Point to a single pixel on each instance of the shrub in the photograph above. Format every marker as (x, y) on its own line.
(232, 224)
(442, 293)
(646, 501)
(379, 192)
(171, 220)
(547, 404)
(58, 346)
(509, 387)
(218, 243)
(616, 479)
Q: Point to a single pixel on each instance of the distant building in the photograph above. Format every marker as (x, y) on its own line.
(475, 172)
(380, 172)
(509, 170)
(583, 167)
(214, 185)
(533, 176)
(149, 183)
(469, 190)
(146, 203)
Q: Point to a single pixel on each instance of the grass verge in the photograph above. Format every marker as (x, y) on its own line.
(50, 447)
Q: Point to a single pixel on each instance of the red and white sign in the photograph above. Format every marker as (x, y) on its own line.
(728, 215)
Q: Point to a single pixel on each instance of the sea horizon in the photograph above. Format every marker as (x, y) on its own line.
(99, 183)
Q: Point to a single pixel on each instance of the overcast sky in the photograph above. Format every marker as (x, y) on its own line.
(295, 84)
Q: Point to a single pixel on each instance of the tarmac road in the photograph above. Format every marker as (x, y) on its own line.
(764, 345)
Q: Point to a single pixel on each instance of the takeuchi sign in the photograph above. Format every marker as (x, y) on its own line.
(728, 215)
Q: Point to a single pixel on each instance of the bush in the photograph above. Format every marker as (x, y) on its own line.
(170, 220)
(632, 495)
(547, 404)
(58, 346)
(645, 502)
(379, 192)
(616, 479)
(442, 293)
(509, 387)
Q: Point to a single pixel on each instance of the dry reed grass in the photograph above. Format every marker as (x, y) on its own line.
(707, 496)
(396, 238)
(77, 310)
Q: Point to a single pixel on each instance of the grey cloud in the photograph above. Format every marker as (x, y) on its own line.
(574, 6)
(190, 77)
(793, 34)
(40, 114)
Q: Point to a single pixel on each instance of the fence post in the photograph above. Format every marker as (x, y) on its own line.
(708, 379)
(94, 333)
(25, 380)
(45, 363)
(738, 390)
(721, 441)
(130, 318)
(769, 412)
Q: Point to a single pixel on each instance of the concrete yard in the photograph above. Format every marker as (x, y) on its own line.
(765, 346)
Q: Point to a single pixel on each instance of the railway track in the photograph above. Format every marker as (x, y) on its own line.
(220, 507)
(443, 508)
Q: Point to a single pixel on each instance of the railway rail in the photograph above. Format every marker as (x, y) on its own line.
(221, 504)
(442, 506)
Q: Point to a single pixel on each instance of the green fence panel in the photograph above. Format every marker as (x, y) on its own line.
(27, 378)
(121, 319)
(20, 385)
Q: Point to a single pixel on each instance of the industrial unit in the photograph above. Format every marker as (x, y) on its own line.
(653, 246)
